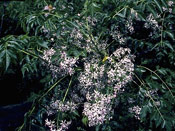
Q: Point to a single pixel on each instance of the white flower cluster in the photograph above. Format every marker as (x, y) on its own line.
(92, 76)
(100, 110)
(76, 38)
(68, 106)
(58, 105)
(121, 68)
(64, 125)
(152, 93)
(49, 8)
(151, 22)
(67, 64)
(115, 72)
(76, 34)
(103, 45)
(129, 25)
(50, 124)
(136, 110)
(167, 9)
(134, 13)
(92, 20)
(65, 67)
(48, 55)
(116, 35)
(170, 8)
(45, 30)
(76, 98)
(170, 3)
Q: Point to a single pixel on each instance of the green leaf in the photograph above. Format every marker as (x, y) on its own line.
(24, 69)
(154, 77)
(142, 70)
(150, 104)
(46, 78)
(97, 128)
(162, 71)
(170, 34)
(2, 54)
(158, 5)
(144, 111)
(158, 121)
(96, 6)
(123, 13)
(169, 45)
(43, 44)
(76, 113)
(12, 54)
(163, 124)
(141, 16)
(154, 115)
(151, 8)
(164, 3)
(168, 126)
(7, 60)
(85, 121)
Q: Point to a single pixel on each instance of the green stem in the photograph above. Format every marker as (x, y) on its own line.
(64, 98)
(67, 90)
(119, 11)
(29, 114)
(161, 42)
(139, 79)
(156, 106)
(34, 106)
(36, 56)
(92, 39)
(110, 44)
(28, 53)
(143, 83)
(159, 78)
(55, 84)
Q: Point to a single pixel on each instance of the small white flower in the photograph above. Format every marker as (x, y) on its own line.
(52, 39)
(170, 3)
(151, 21)
(136, 110)
(170, 10)
(99, 111)
(49, 8)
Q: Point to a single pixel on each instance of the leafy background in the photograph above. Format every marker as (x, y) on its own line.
(22, 42)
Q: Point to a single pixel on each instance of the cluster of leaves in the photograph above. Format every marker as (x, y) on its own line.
(152, 88)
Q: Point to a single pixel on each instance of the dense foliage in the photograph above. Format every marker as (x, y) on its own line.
(106, 64)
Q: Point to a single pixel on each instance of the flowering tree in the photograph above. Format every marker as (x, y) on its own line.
(104, 63)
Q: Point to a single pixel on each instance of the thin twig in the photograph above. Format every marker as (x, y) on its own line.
(159, 78)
